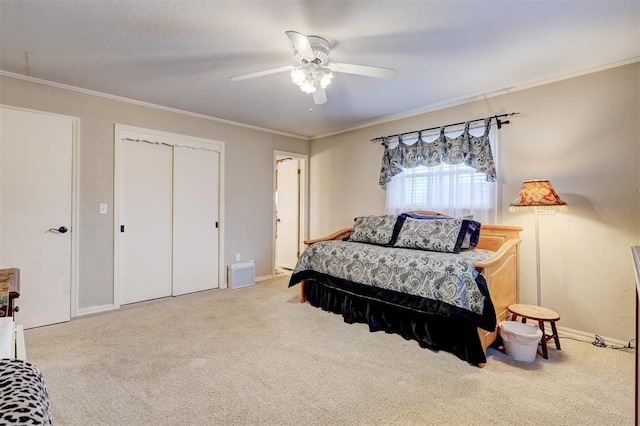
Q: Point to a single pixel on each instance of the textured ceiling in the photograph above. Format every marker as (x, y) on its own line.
(181, 54)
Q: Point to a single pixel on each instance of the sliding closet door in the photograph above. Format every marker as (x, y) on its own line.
(145, 221)
(195, 216)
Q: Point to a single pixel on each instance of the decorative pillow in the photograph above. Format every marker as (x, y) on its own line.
(444, 235)
(471, 227)
(426, 216)
(472, 234)
(373, 229)
(434, 216)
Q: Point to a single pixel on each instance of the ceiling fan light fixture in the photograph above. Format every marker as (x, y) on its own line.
(309, 77)
(308, 87)
(326, 79)
(298, 76)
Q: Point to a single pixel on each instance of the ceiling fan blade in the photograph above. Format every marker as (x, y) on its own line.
(377, 72)
(302, 45)
(320, 97)
(261, 73)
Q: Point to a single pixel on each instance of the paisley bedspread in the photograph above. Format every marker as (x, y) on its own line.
(446, 278)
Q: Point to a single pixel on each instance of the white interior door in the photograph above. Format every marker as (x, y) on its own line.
(287, 213)
(145, 220)
(36, 157)
(195, 220)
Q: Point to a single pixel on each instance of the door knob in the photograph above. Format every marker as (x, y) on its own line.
(60, 230)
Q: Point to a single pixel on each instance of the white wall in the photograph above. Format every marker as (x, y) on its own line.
(583, 135)
(248, 175)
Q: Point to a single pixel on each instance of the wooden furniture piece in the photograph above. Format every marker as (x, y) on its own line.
(502, 271)
(10, 283)
(540, 314)
(12, 343)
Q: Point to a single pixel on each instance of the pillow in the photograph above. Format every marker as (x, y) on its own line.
(471, 227)
(373, 229)
(472, 234)
(443, 235)
(403, 216)
(425, 216)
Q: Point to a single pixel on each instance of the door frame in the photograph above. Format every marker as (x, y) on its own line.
(174, 139)
(75, 131)
(304, 200)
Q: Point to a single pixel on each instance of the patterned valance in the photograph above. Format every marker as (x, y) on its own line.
(474, 151)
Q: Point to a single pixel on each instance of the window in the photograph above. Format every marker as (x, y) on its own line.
(456, 190)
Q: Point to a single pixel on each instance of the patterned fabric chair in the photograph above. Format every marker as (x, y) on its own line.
(24, 399)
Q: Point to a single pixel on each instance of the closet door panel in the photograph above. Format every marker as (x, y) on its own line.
(195, 213)
(145, 214)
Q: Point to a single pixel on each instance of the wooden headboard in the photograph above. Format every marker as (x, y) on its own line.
(492, 237)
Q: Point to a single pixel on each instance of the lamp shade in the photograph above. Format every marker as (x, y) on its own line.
(537, 194)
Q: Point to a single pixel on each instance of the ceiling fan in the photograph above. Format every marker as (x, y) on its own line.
(315, 72)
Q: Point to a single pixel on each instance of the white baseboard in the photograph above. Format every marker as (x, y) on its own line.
(587, 337)
(94, 310)
(264, 278)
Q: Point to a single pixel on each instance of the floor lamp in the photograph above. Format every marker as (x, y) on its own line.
(538, 196)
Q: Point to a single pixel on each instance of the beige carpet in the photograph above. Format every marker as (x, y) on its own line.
(256, 356)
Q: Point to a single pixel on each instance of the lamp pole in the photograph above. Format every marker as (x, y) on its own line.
(538, 195)
(538, 285)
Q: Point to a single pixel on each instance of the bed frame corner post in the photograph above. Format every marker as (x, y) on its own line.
(303, 294)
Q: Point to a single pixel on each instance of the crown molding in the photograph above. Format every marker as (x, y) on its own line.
(462, 101)
(383, 120)
(145, 104)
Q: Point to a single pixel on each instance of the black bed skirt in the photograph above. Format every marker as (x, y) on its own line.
(436, 332)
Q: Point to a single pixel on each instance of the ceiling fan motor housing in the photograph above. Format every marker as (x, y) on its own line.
(320, 48)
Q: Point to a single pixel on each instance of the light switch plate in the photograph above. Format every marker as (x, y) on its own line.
(104, 208)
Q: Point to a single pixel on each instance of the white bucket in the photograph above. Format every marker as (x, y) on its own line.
(520, 340)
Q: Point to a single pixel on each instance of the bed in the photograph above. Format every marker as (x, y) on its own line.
(418, 275)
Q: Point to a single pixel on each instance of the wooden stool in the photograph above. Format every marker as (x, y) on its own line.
(540, 314)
